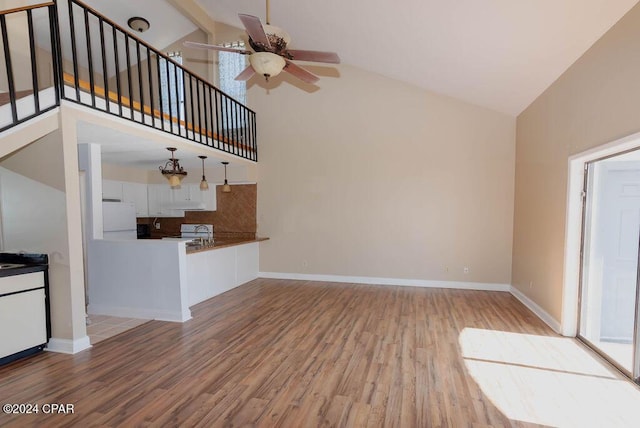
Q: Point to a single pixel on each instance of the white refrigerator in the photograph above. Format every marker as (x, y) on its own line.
(119, 220)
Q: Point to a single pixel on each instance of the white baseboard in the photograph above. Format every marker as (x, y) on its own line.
(147, 314)
(67, 346)
(536, 309)
(388, 281)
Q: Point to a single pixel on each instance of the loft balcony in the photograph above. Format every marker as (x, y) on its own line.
(67, 52)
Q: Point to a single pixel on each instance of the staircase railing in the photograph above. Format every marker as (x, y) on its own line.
(98, 64)
(28, 63)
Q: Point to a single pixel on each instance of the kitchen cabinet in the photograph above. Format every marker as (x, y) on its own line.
(112, 189)
(136, 193)
(23, 315)
(159, 199)
(190, 195)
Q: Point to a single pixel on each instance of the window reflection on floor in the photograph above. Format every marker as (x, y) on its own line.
(546, 380)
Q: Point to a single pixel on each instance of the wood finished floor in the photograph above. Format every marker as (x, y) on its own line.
(296, 353)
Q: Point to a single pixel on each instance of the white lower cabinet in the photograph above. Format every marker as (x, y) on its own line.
(23, 321)
(213, 272)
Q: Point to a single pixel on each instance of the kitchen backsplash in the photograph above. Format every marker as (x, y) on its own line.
(234, 218)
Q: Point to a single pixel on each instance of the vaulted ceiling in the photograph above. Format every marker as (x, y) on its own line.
(500, 54)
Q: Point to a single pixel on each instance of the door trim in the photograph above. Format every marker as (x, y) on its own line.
(573, 226)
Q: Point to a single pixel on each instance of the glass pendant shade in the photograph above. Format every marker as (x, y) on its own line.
(203, 184)
(225, 188)
(266, 63)
(175, 181)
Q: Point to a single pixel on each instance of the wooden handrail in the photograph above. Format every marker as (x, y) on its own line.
(23, 8)
(99, 91)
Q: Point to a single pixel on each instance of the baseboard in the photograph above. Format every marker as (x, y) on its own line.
(67, 346)
(147, 314)
(482, 286)
(536, 309)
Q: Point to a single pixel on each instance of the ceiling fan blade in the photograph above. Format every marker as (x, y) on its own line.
(254, 29)
(245, 74)
(197, 45)
(316, 56)
(300, 72)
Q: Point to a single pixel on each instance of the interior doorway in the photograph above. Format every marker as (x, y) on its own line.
(608, 313)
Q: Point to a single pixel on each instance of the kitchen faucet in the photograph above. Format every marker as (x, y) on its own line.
(209, 233)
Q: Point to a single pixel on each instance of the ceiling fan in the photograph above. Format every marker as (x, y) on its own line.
(270, 54)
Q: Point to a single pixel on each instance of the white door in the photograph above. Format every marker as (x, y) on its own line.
(611, 238)
(621, 221)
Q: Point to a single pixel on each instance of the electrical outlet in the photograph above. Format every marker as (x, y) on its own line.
(466, 269)
(157, 225)
(530, 284)
(446, 268)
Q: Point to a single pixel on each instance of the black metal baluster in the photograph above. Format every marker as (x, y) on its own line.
(206, 89)
(56, 52)
(166, 61)
(34, 65)
(153, 115)
(128, 53)
(193, 120)
(184, 101)
(217, 117)
(199, 111)
(7, 59)
(175, 75)
(117, 63)
(160, 91)
(255, 139)
(141, 89)
(89, 58)
(105, 72)
(74, 53)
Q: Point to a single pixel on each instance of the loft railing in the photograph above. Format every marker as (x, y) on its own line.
(28, 63)
(98, 64)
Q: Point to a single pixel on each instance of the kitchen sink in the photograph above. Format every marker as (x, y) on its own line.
(11, 265)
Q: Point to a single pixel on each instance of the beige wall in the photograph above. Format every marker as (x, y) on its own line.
(37, 220)
(368, 176)
(596, 101)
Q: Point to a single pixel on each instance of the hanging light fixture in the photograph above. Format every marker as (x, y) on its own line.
(172, 170)
(226, 188)
(203, 184)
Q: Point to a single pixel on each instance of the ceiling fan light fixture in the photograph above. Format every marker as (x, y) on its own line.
(267, 64)
(172, 170)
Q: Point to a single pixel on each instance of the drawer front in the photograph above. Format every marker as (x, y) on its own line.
(23, 322)
(27, 281)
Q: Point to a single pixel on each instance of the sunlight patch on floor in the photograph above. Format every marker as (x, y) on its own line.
(548, 380)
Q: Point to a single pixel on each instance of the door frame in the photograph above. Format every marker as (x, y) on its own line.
(574, 226)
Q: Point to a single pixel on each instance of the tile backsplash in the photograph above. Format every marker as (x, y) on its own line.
(234, 218)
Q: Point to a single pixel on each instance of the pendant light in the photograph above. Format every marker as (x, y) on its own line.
(203, 184)
(226, 188)
(172, 170)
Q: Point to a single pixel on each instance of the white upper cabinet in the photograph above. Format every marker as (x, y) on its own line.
(137, 194)
(112, 189)
(159, 200)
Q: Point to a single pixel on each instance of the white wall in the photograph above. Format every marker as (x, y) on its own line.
(370, 177)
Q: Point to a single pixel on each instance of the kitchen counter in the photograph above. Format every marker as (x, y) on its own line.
(18, 264)
(221, 243)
